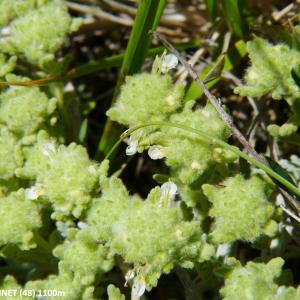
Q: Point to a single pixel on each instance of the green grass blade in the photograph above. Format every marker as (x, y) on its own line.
(147, 18)
(282, 172)
(237, 15)
(232, 58)
(296, 77)
(216, 71)
(83, 131)
(212, 9)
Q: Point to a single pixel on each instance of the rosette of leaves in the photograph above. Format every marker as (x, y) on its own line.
(21, 219)
(10, 9)
(188, 155)
(84, 256)
(269, 72)
(69, 181)
(149, 234)
(147, 98)
(12, 151)
(25, 110)
(241, 209)
(66, 284)
(257, 280)
(44, 28)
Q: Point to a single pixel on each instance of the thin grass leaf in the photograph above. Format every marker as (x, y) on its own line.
(216, 71)
(236, 14)
(147, 18)
(296, 77)
(212, 9)
(231, 59)
(83, 131)
(283, 173)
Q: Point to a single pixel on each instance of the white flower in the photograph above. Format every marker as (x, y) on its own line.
(280, 290)
(62, 228)
(69, 87)
(132, 147)
(138, 288)
(31, 193)
(34, 192)
(170, 100)
(195, 165)
(129, 276)
(223, 250)
(290, 229)
(5, 30)
(170, 61)
(92, 170)
(156, 152)
(82, 225)
(168, 190)
(274, 244)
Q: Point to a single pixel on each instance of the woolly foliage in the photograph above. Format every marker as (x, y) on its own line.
(84, 257)
(45, 29)
(271, 71)
(11, 151)
(10, 9)
(257, 281)
(153, 97)
(24, 109)
(104, 211)
(114, 293)
(69, 180)
(69, 286)
(146, 97)
(189, 155)
(240, 209)
(149, 234)
(7, 65)
(20, 219)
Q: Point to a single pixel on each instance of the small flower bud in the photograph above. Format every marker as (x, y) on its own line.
(132, 147)
(62, 228)
(170, 61)
(168, 190)
(82, 225)
(156, 152)
(138, 288)
(224, 250)
(33, 193)
(129, 276)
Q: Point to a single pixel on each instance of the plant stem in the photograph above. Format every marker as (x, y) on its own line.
(213, 140)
